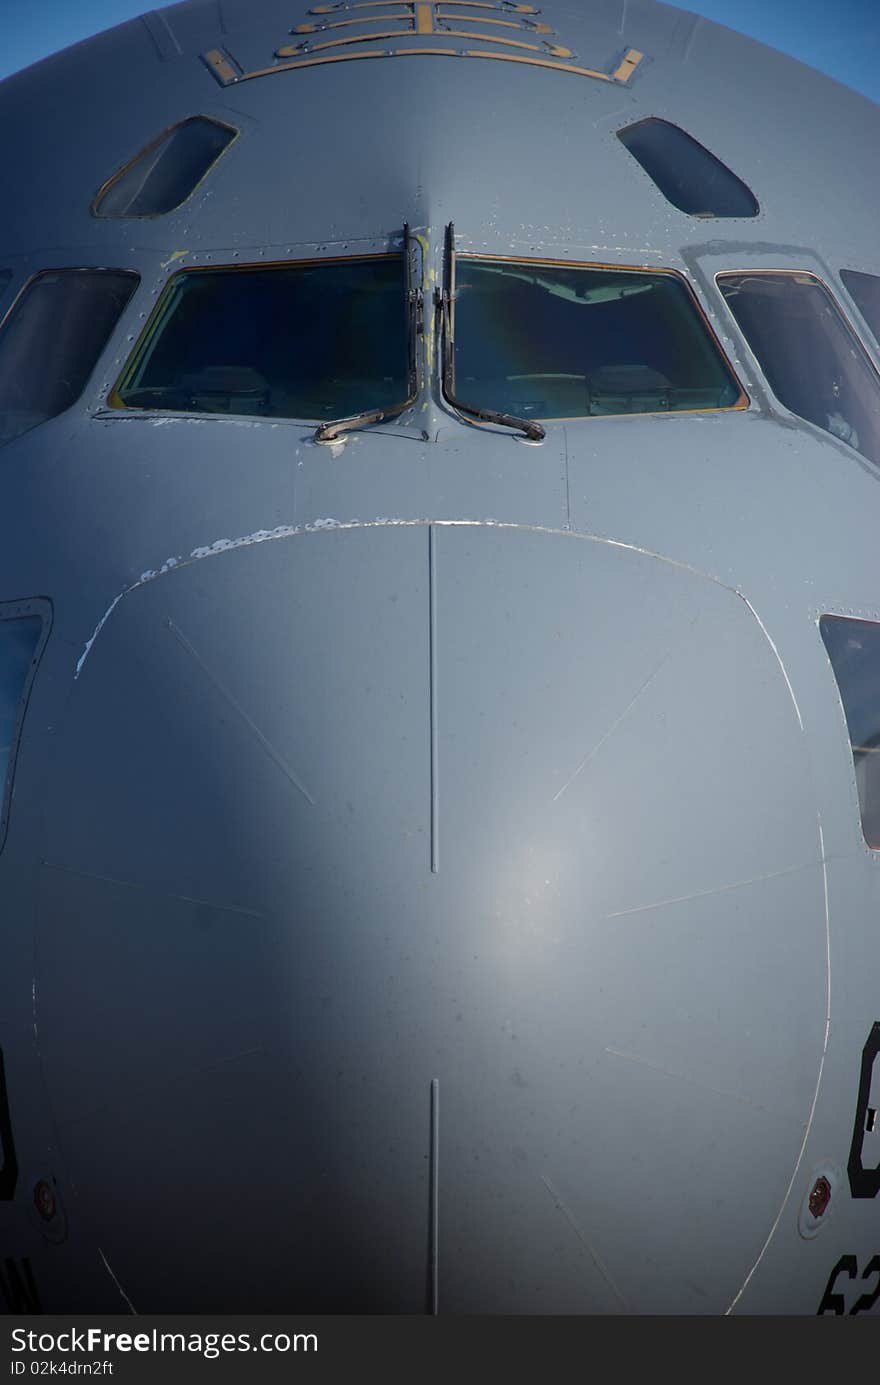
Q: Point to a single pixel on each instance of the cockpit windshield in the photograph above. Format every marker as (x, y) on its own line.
(562, 341)
(315, 340)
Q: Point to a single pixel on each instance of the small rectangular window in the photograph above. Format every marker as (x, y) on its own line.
(22, 626)
(51, 341)
(569, 341)
(166, 172)
(814, 364)
(854, 650)
(865, 290)
(688, 175)
(317, 340)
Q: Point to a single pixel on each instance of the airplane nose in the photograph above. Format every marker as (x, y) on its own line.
(342, 815)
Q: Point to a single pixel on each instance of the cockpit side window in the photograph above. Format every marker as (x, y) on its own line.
(814, 364)
(854, 650)
(864, 289)
(688, 175)
(567, 341)
(316, 340)
(51, 340)
(167, 171)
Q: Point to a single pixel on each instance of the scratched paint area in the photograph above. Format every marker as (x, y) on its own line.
(286, 531)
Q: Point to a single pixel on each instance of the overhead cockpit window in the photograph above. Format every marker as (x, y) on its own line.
(865, 290)
(562, 341)
(310, 341)
(854, 650)
(164, 174)
(51, 341)
(814, 364)
(21, 629)
(686, 173)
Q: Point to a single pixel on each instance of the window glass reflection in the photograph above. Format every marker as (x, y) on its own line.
(812, 361)
(560, 341)
(51, 341)
(165, 173)
(311, 341)
(688, 175)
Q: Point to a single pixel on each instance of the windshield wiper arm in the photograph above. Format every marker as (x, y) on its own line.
(445, 300)
(530, 427)
(326, 432)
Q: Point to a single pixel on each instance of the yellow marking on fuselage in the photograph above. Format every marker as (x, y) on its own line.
(344, 23)
(482, 5)
(506, 23)
(628, 66)
(552, 49)
(429, 275)
(221, 66)
(360, 5)
(555, 50)
(227, 76)
(291, 49)
(424, 19)
(469, 4)
(542, 62)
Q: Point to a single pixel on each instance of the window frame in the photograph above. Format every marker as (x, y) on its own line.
(74, 269)
(141, 153)
(743, 401)
(141, 345)
(774, 403)
(872, 332)
(704, 148)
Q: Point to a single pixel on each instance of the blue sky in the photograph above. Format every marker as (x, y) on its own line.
(841, 37)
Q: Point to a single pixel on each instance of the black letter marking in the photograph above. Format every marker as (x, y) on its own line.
(9, 1167)
(864, 1182)
(867, 1301)
(834, 1303)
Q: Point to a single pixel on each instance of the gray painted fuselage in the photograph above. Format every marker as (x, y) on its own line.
(435, 755)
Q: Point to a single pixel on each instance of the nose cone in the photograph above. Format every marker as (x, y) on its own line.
(346, 813)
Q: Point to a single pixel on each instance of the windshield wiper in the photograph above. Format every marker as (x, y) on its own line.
(326, 432)
(445, 301)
